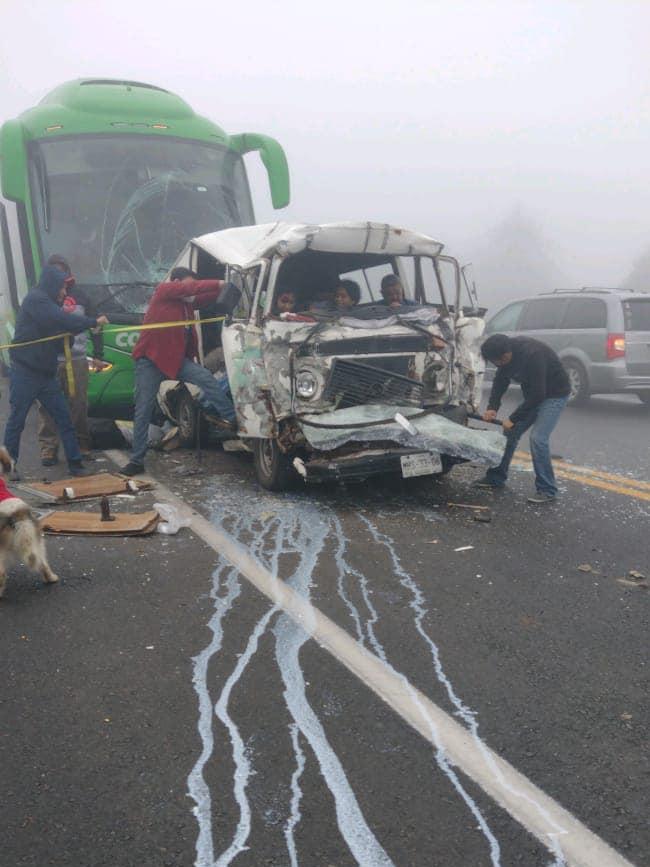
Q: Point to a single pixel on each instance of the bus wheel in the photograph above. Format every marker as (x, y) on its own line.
(273, 468)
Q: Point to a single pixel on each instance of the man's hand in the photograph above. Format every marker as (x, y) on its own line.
(102, 320)
(507, 425)
(489, 415)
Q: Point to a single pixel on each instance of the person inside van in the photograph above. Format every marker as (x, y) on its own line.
(392, 291)
(347, 294)
(285, 302)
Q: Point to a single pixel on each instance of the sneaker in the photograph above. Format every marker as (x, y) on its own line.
(77, 469)
(132, 469)
(486, 482)
(540, 499)
(50, 462)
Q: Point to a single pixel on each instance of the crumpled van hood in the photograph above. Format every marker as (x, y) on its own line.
(434, 432)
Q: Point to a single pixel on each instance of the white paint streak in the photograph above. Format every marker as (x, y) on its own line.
(574, 844)
(197, 787)
(417, 606)
(310, 534)
(296, 796)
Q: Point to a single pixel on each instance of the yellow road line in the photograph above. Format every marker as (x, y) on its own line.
(624, 481)
(593, 481)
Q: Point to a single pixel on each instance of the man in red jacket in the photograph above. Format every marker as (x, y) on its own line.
(168, 353)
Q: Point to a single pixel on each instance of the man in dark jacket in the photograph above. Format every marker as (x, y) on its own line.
(76, 301)
(169, 353)
(34, 367)
(545, 387)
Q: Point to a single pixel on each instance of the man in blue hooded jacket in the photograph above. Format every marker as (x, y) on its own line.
(34, 367)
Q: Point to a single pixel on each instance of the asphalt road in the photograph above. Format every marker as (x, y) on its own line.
(157, 710)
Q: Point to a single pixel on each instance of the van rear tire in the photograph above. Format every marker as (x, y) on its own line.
(578, 381)
(644, 397)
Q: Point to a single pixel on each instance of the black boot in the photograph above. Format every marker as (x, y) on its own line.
(132, 469)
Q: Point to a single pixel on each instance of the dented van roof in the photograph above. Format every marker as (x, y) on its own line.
(246, 245)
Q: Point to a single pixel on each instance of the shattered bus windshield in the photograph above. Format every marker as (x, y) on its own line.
(119, 208)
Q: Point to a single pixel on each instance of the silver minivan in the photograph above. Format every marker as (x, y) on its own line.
(601, 335)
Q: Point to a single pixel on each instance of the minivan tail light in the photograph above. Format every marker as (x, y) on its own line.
(615, 346)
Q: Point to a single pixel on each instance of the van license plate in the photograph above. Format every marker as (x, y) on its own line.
(423, 464)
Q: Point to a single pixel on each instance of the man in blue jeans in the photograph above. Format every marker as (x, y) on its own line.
(33, 373)
(545, 387)
(169, 353)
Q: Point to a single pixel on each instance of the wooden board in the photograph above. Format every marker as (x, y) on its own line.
(87, 487)
(91, 524)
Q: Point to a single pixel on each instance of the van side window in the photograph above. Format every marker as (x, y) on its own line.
(637, 314)
(542, 315)
(506, 320)
(585, 313)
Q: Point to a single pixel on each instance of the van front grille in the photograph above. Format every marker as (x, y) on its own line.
(352, 383)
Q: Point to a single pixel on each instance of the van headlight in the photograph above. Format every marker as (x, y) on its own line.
(306, 384)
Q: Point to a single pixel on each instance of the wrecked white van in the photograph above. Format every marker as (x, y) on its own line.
(322, 391)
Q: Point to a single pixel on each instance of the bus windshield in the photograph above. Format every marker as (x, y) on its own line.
(120, 208)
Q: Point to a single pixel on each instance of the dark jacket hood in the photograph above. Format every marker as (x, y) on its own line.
(51, 282)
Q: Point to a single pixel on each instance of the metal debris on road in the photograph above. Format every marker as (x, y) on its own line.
(464, 548)
(468, 506)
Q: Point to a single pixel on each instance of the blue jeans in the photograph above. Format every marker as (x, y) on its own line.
(25, 387)
(215, 397)
(543, 421)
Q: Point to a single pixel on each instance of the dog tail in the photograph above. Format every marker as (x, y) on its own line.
(27, 538)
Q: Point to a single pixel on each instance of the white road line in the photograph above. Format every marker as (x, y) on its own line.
(524, 801)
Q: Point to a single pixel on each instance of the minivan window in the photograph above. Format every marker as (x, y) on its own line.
(637, 314)
(542, 315)
(585, 313)
(506, 319)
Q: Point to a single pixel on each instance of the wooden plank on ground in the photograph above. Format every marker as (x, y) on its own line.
(91, 524)
(87, 487)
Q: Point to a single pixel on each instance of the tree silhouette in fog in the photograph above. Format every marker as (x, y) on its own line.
(515, 259)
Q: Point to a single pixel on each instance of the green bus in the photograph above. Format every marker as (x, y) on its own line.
(117, 176)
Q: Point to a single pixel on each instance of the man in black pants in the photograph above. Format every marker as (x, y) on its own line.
(545, 387)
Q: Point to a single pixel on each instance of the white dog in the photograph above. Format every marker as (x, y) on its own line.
(20, 535)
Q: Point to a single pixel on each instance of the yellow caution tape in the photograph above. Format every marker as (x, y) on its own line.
(69, 370)
(115, 330)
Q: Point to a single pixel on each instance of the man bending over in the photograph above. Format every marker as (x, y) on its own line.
(169, 353)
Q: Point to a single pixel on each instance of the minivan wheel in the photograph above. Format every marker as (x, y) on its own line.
(644, 397)
(578, 382)
(273, 468)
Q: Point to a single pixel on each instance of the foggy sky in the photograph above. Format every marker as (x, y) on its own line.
(446, 117)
